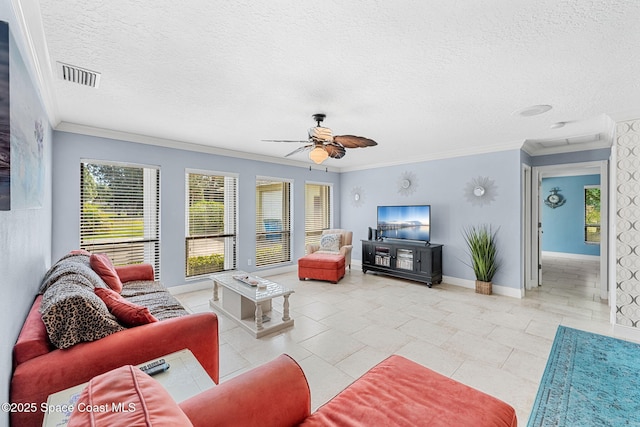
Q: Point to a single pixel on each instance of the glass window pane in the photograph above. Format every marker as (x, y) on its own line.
(119, 213)
(210, 244)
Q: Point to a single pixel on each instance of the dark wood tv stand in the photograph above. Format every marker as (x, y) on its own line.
(419, 261)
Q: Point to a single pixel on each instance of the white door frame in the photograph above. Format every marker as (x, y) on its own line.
(531, 178)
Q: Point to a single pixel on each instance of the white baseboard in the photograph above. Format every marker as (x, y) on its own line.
(626, 333)
(200, 285)
(204, 283)
(497, 289)
(571, 256)
(277, 270)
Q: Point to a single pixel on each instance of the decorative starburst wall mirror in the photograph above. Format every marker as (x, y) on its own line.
(357, 197)
(407, 183)
(480, 191)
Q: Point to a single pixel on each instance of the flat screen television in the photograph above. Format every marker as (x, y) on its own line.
(405, 222)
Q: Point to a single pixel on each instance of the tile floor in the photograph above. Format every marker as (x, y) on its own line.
(494, 343)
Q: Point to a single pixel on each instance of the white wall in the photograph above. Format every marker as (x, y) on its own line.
(25, 233)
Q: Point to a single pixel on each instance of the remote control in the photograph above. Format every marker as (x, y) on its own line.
(151, 365)
(157, 369)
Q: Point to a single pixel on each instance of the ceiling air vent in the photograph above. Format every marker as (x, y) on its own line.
(74, 74)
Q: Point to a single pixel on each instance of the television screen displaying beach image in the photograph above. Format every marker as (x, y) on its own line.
(405, 222)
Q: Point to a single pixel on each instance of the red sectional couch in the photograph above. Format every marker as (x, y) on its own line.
(41, 369)
(396, 392)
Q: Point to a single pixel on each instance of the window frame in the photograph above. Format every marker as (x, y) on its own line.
(230, 239)
(262, 235)
(312, 234)
(119, 250)
(584, 218)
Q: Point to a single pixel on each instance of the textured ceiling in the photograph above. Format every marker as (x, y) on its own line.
(425, 79)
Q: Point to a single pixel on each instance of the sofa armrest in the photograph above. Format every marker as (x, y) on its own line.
(35, 379)
(128, 273)
(274, 394)
(311, 248)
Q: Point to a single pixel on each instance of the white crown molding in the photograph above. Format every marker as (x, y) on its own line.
(181, 145)
(440, 156)
(28, 16)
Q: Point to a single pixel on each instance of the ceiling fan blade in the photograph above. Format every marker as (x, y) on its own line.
(285, 140)
(335, 151)
(352, 141)
(299, 150)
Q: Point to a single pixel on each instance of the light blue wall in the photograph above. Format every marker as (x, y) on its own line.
(441, 184)
(563, 226)
(70, 148)
(25, 232)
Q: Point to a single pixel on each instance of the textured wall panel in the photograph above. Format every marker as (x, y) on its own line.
(628, 223)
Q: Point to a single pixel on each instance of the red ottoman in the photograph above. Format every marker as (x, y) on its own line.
(321, 266)
(400, 392)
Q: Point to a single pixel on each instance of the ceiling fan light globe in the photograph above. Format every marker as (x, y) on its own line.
(318, 155)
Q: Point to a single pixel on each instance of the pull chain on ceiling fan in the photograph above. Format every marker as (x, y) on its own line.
(324, 145)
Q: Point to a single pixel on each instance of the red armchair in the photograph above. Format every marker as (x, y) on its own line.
(396, 392)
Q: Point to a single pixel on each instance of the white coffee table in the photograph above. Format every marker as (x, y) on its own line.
(185, 378)
(250, 306)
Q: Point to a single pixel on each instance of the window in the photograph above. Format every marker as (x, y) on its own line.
(120, 212)
(592, 214)
(273, 225)
(210, 244)
(317, 211)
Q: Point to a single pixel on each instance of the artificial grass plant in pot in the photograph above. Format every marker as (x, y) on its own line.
(481, 243)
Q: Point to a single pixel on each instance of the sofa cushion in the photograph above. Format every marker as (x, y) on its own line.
(102, 265)
(156, 297)
(330, 242)
(128, 313)
(33, 340)
(131, 272)
(145, 402)
(322, 260)
(73, 313)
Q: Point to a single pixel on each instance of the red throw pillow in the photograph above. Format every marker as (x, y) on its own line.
(126, 397)
(80, 252)
(102, 265)
(126, 312)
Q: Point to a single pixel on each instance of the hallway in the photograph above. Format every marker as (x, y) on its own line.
(574, 281)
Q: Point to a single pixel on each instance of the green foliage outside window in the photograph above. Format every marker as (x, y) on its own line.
(205, 264)
(592, 214)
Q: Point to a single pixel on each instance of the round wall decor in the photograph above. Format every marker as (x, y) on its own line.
(407, 183)
(554, 199)
(357, 197)
(480, 191)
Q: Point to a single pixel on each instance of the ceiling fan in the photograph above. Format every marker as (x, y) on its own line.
(323, 144)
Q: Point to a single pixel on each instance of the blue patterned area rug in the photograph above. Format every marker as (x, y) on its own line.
(590, 380)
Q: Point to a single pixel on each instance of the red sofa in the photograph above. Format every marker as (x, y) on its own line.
(41, 369)
(396, 392)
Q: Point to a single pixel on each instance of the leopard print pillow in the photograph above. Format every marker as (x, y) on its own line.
(73, 314)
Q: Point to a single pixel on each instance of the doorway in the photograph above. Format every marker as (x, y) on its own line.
(533, 230)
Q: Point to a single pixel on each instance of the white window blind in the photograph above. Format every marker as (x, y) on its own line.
(120, 212)
(273, 224)
(317, 212)
(211, 223)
